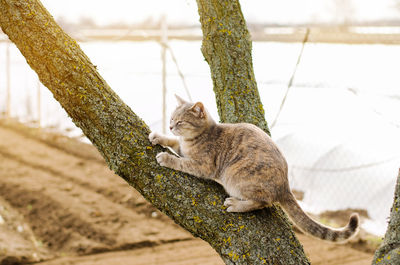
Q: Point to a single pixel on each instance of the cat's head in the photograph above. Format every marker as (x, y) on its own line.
(189, 119)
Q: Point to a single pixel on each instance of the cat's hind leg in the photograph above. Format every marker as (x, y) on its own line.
(236, 205)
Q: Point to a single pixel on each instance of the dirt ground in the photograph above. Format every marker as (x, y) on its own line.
(60, 204)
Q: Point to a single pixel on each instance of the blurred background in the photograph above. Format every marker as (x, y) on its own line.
(327, 73)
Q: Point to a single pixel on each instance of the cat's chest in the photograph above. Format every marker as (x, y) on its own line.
(191, 151)
(186, 149)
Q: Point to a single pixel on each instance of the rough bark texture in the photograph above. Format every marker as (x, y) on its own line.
(389, 251)
(227, 49)
(260, 237)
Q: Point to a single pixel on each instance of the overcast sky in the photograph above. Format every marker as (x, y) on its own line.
(185, 11)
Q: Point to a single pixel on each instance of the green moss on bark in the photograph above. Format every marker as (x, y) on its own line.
(389, 252)
(227, 49)
(121, 137)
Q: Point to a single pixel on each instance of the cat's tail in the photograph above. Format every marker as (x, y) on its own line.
(308, 225)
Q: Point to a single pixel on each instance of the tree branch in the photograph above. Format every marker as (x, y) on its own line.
(227, 49)
(121, 137)
(389, 252)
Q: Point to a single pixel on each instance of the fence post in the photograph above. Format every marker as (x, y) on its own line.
(8, 75)
(164, 40)
(39, 116)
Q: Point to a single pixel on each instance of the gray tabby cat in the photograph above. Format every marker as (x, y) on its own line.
(243, 159)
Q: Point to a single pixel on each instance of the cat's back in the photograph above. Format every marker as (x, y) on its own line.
(228, 141)
(249, 142)
(223, 139)
(245, 134)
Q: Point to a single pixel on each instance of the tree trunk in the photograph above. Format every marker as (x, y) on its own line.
(261, 237)
(389, 252)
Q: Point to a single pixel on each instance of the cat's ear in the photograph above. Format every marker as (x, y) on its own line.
(198, 110)
(180, 100)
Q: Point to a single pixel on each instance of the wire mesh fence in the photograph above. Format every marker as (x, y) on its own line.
(338, 128)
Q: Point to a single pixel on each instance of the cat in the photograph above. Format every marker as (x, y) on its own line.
(243, 159)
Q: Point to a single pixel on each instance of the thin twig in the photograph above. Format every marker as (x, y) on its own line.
(179, 72)
(291, 78)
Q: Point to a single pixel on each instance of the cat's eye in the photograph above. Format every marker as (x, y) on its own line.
(179, 122)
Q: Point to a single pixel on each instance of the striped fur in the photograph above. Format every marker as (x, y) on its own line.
(309, 226)
(243, 159)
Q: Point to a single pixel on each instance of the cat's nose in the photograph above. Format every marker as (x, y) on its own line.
(170, 127)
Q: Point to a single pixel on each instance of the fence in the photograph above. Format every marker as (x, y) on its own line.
(337, 130)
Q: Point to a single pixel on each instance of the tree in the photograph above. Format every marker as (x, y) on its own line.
(389, 252)
(262, 237)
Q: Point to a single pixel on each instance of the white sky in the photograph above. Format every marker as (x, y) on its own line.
(185, 11)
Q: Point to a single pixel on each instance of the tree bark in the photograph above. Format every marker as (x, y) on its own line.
(389, 252)
(260, 237)
(227, 49)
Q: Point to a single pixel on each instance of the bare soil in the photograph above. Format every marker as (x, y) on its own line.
(60, 204)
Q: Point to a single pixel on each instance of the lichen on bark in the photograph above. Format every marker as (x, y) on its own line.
(227, 48)
(260, 237)
(389, 252)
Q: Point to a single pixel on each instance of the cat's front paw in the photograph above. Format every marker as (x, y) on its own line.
(154, 138)
(232, 204)
(165, 159)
